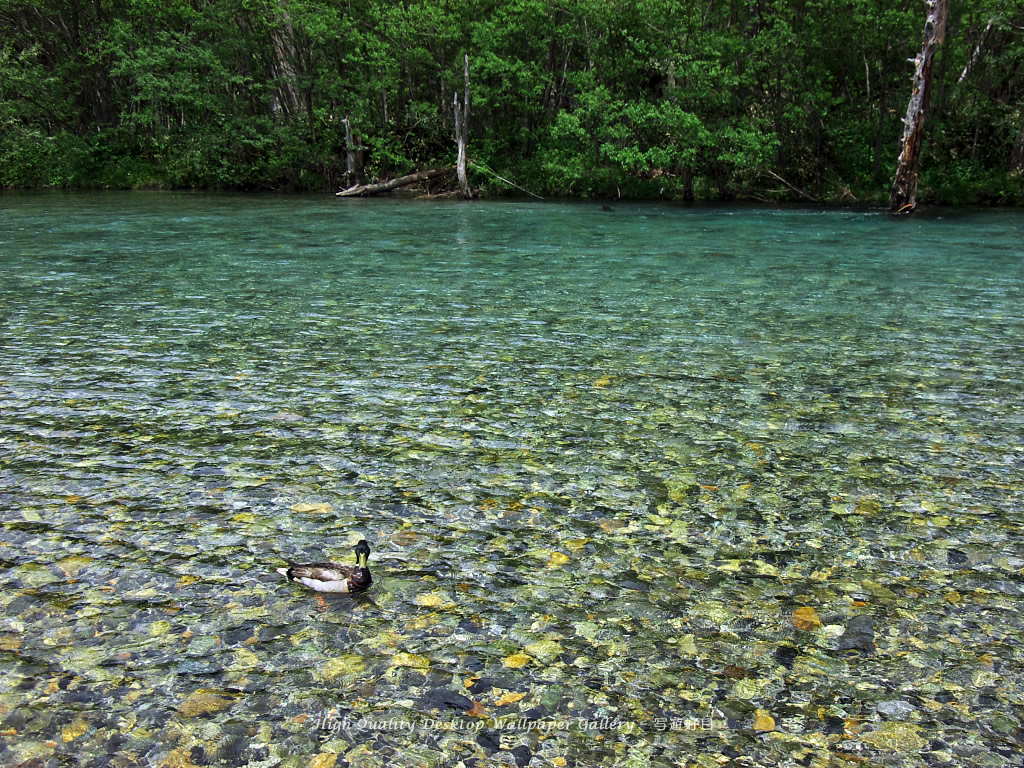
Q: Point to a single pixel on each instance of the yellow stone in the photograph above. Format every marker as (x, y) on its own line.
(411, 660)
(74, 730)
(203, 703)
(544, 650)
(349, 664)
(429, 600)
(303, 507)
(323, 760)
(178, 758)
(158, 628)
(245, 659)
(806, 618)
(516, 660)
(557, 559)
(688, 645)
(763, 721)
(424, 621)
(896, 737)
(509, 698)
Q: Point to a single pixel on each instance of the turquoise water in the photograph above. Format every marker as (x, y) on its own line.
(645, 485)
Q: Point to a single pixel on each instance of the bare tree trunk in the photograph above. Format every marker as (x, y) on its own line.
(561, 82)
(876, 167)
(903, 197)
(353, 156)
(975, 56)
(461, 123)
(460, 141)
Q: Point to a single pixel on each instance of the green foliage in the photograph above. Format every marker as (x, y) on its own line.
(670, 98)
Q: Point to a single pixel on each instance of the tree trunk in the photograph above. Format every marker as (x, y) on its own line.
(1017, 158)
(287, 98)
(461, 123)
(876, 167)
(883, 110)
(903, 197)
(364, 190)
(353, 157)
(975, 56)
(688, 184)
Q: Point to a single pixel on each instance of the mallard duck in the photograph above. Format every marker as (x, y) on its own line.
(334, 577)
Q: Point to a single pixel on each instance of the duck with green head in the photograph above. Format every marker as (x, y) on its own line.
(334, 577)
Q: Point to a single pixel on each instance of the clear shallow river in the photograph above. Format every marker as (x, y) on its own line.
(650, 485)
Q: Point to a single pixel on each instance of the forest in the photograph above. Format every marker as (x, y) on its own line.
(674, 99)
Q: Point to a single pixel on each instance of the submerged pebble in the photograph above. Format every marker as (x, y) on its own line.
(897, 709)
(859, 634)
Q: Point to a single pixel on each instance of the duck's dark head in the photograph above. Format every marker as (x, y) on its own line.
(363, 554)
(360, 580)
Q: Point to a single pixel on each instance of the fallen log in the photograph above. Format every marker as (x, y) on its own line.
(363, 190)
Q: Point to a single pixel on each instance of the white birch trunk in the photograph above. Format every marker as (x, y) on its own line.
(461, 123)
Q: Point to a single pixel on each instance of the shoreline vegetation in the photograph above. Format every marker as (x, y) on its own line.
(760, 100)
